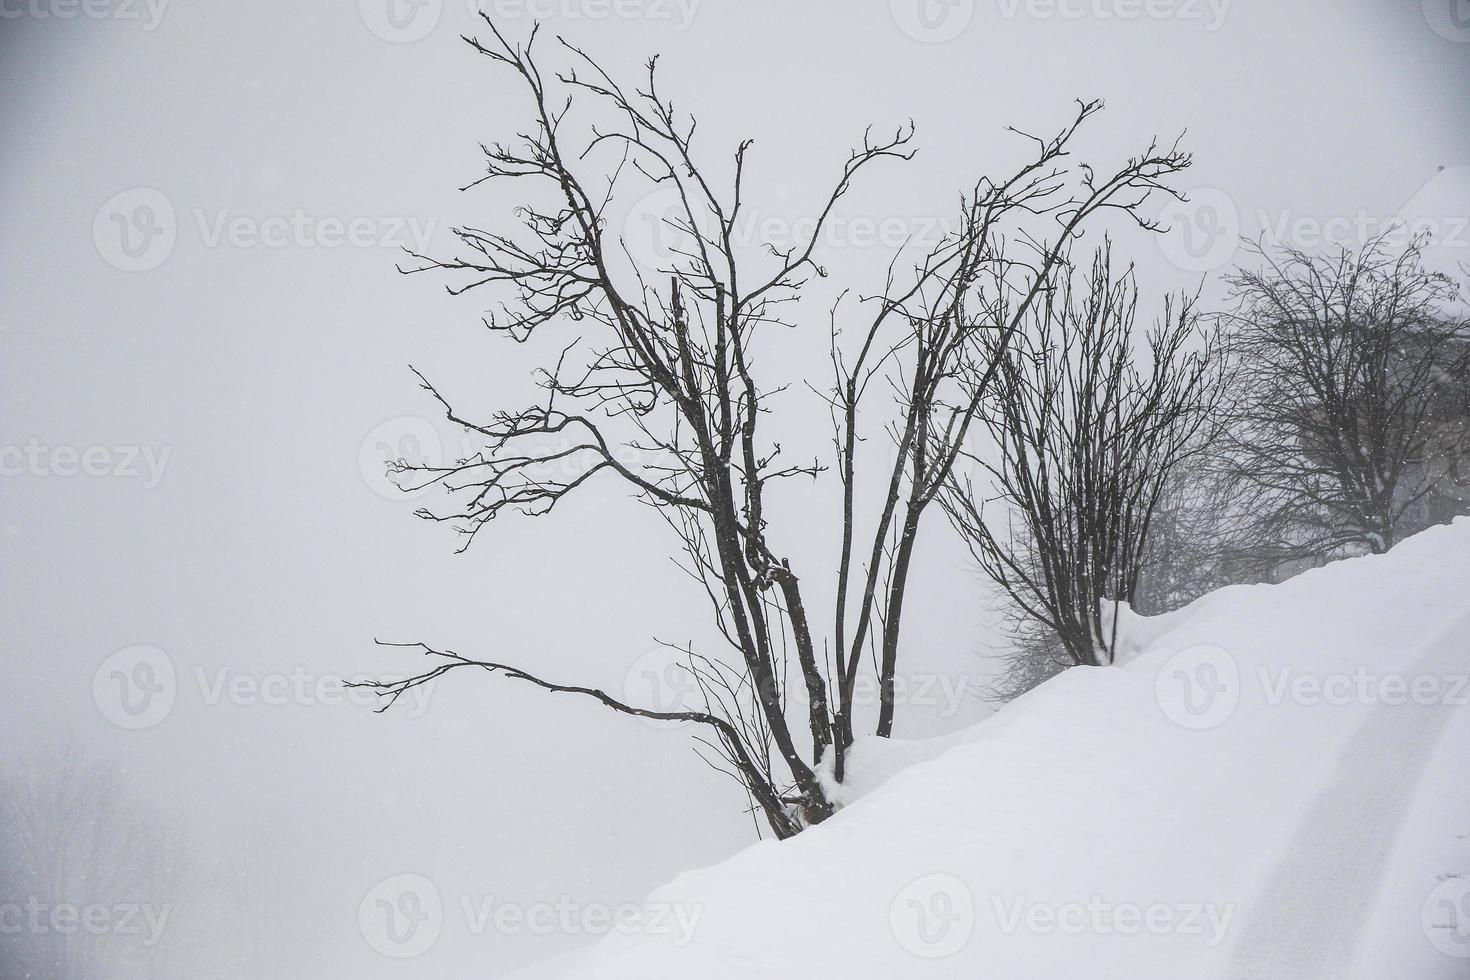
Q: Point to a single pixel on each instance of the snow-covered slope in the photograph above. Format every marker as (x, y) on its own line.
(1273, 785)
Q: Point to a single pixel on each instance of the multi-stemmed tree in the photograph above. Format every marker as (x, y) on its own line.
(1086, 425)
(657, 388)
(1349, 399)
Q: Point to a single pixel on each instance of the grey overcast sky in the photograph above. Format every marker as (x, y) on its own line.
(202, 205)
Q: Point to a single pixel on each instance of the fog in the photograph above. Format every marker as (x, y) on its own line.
(193, 501)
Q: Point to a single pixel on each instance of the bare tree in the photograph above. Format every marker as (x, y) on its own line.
(1349, 394)
(658, 388)
(90, 875)
(1195, 544)
(1082, 443)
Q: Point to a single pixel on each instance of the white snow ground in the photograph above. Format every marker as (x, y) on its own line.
(1273, 785)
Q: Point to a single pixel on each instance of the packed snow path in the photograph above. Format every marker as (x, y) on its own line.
(1307, 918)
(1271, 785)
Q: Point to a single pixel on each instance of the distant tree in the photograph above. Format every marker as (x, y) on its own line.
(1084, 435)
(1033, 654)
(1349, 400)
(660, 388)
(1190, 550)
(75, 841)
(1195, 537)
(258, 892)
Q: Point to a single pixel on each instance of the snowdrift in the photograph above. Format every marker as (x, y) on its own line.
(1272, 784)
